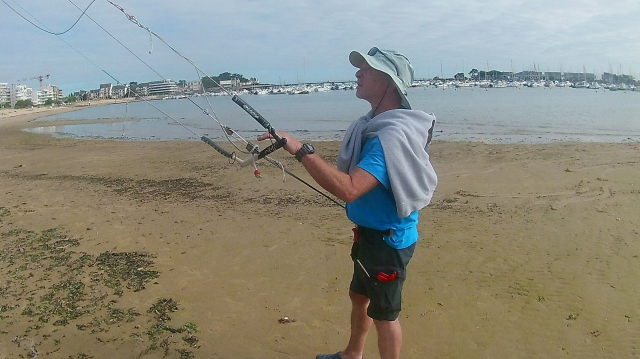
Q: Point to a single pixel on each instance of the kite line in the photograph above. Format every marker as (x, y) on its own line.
(251, 149)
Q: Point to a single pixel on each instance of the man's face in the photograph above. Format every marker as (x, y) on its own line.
(372, 84)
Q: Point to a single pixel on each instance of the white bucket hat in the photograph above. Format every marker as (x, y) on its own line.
(391, 63)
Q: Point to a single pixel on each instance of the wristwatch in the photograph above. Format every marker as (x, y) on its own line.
(304, 150)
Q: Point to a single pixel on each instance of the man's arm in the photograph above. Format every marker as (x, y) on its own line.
(347, 187)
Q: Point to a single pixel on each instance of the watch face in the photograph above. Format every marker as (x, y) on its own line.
(308, 148)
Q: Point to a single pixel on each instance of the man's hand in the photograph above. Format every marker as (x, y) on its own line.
(292, 146)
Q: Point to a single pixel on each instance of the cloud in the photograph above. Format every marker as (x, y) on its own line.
(290, 41)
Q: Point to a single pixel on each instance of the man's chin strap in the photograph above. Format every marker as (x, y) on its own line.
(384, 94)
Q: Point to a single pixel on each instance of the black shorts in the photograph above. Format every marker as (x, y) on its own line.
(384, 273)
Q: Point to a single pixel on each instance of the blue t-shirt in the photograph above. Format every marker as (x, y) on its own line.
(377, 208)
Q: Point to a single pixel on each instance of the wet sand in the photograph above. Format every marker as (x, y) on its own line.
(147, 249)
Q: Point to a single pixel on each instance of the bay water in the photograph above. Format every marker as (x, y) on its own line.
(500, 115)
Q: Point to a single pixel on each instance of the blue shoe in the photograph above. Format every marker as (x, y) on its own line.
(329, 356)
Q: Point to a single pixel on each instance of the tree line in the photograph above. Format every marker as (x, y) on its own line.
(28, 103)
(208, 83)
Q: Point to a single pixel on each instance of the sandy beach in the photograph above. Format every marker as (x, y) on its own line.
(163, 249)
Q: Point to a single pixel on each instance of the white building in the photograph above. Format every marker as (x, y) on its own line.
(5, 93)
(195, 87)
(105, 90)
(166, 87)
(18, 93)
(56, 92)
(142, 89)
(94, 94)
(38, 97)
(49, 92)
(233, 82)
(119, 91)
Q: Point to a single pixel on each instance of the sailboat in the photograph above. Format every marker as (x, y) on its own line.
(583, 84)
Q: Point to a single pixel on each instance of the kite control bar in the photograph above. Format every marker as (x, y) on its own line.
(280, 142)
(250, 147)
(256, 154)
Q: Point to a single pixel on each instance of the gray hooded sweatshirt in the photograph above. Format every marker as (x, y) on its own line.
(404, 136)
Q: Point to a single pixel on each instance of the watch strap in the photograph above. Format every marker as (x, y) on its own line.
(304, 150)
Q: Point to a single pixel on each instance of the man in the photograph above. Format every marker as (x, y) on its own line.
(385, 176)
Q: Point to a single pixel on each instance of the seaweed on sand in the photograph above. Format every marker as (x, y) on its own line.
(49, 286)
(129, 267)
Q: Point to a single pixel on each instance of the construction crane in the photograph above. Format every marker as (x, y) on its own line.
(40, 78)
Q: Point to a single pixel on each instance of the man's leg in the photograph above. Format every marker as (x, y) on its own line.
(360, 325)
(389, 338)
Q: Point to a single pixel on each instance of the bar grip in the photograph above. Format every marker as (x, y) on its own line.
(221, 150)
(256, 116)
(271, 148)
(251, 111)
(232, 156)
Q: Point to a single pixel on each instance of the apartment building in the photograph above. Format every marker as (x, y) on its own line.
(49, 92)
(5, 93)
(194, 87)
(165, 87)
(119, 91)
(18, 93)
(233, 82)
(105, 90)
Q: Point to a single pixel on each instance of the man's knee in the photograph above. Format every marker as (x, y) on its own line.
(386, 324)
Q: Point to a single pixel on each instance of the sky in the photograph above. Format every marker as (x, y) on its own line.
(294, 41)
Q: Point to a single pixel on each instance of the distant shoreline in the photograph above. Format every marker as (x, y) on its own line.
(17, 118)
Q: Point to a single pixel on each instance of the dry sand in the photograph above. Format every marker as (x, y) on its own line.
(145, 249)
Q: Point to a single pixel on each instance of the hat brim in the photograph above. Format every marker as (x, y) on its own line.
(356, 59)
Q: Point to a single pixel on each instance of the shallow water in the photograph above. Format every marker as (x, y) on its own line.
(505, 115)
